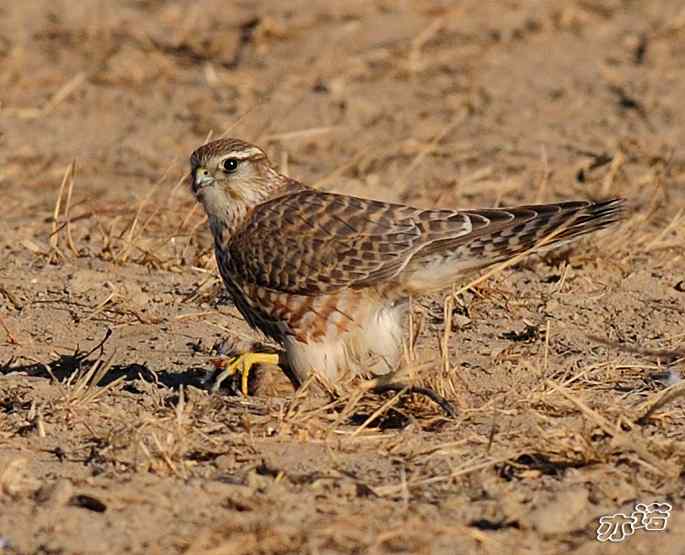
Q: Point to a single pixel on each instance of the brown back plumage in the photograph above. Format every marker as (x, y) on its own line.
(311, 242)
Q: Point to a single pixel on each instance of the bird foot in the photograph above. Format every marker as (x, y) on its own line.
(241, 363)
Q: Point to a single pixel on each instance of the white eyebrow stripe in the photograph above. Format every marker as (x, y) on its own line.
(243, 154)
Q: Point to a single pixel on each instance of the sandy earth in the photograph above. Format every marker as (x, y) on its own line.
(564, 368)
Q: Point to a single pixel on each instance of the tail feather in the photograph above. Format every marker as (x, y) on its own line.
(499, 234)
(551, 225)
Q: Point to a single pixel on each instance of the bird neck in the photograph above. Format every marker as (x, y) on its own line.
(227, 216)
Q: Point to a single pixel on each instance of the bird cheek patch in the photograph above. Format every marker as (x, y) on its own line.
(233, 193)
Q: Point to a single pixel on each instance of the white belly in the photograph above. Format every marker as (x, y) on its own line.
(373, 347)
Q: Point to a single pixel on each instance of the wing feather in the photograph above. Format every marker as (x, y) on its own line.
(311, 242)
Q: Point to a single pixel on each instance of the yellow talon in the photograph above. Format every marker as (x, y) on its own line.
(243, 364)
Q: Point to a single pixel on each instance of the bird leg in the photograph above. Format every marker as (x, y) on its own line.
(242, 363)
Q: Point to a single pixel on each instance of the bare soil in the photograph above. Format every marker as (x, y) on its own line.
(564, 368)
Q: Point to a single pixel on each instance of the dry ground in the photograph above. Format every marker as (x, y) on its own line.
(559, 366)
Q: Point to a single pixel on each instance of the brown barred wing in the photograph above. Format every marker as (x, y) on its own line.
(312, 243)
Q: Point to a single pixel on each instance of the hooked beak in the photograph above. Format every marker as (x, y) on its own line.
(201, 179)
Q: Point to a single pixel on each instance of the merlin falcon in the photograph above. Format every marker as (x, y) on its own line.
(329, 276)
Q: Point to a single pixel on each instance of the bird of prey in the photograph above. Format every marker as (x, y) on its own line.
(329, 276)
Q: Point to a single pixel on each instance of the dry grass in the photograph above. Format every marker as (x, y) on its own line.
(563, 366)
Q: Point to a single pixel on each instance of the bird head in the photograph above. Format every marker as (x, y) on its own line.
(230, 177)
(231, 168)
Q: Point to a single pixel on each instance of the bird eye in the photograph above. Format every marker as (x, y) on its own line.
(230, 164)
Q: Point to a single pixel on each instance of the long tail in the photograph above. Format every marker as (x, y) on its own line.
(501, 233)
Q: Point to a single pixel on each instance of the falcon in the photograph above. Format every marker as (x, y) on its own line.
(329, 276)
